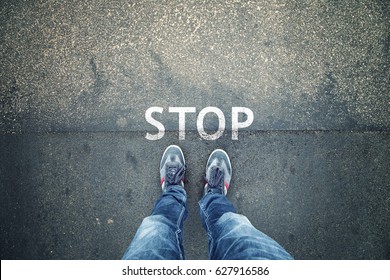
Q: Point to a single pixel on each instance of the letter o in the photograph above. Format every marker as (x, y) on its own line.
(221, 123)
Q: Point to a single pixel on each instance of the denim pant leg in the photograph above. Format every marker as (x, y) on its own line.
(160, 236)
(232, 236)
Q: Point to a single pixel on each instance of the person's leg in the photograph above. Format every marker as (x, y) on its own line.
(231, 236)
(160, 235)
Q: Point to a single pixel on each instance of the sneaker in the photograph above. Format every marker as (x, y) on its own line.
(218, 173)
(172, 167)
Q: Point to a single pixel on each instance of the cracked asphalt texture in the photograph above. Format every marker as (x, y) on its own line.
(77, 175)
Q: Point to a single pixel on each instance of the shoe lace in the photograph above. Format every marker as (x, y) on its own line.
(175, 173)
(216, 180)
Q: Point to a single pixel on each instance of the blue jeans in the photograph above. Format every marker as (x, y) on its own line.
(230, 235)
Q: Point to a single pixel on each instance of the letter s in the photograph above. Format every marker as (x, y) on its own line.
(160, 126)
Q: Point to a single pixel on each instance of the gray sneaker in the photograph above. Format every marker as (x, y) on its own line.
(172, 167)
(218, 173)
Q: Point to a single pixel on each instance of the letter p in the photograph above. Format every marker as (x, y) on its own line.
(236, 124)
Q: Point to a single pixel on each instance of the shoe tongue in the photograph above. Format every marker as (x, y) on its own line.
(175, 172)
(216, 177)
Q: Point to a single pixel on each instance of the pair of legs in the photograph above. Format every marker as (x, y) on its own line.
(230, 235)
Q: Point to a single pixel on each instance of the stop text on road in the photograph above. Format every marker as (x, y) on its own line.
(182, 111)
